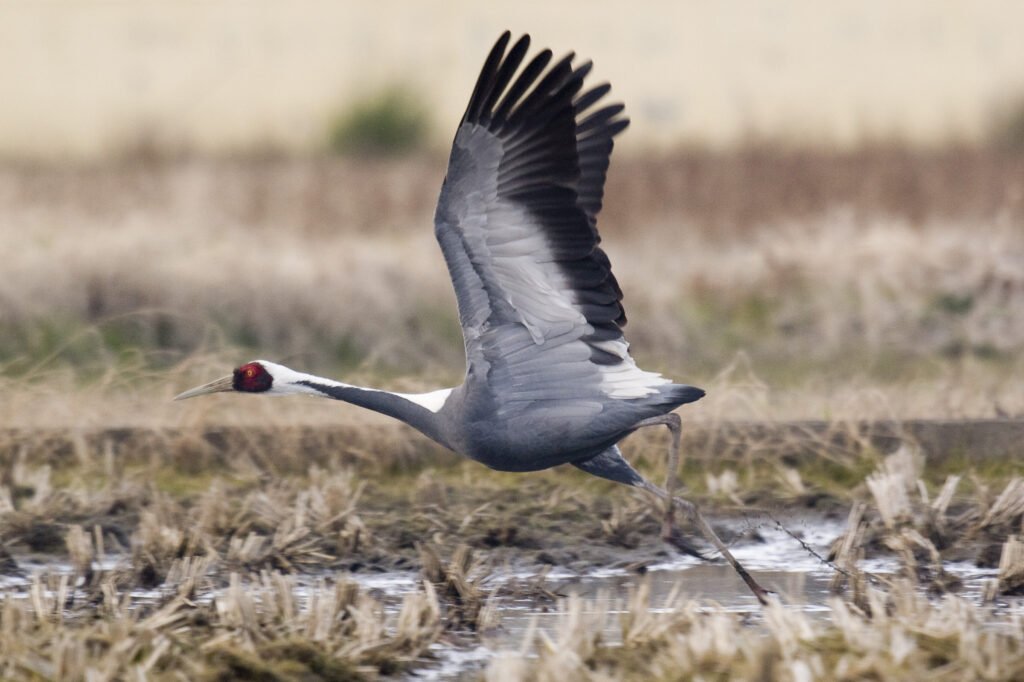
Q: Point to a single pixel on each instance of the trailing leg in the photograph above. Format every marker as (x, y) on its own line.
(674, 425)
(691, 510)
(611, 465)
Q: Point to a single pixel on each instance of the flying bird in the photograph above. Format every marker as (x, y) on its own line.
(549, 378)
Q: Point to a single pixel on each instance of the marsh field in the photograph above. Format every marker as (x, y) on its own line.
(856, 317)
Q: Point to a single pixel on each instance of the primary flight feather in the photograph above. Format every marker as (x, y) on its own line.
(549, 378)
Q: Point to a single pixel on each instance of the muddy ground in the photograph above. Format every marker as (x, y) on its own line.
(232, 553)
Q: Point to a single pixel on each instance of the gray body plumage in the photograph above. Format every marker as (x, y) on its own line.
(549, 378)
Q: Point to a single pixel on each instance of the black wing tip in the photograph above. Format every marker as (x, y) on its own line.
(522, 44)
(503, 88)
(506, 37)
(557, 142)
(496, 57)
(495, 99)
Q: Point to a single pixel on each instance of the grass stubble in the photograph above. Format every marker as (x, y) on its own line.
(223, 540)
(132, 568)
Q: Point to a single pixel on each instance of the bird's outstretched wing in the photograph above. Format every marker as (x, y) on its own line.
(541, 312)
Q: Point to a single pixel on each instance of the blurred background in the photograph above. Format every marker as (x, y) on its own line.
(817, 212)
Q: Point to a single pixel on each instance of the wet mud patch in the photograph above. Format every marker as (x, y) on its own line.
(338, 572)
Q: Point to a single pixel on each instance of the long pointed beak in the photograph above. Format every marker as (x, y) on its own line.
(216, 386)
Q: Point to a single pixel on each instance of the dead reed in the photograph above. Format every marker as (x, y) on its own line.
(820, 276)
(263, 626)
(881, 284)
(904, 635)
(222, 569)
(926, 527)
(910, 625)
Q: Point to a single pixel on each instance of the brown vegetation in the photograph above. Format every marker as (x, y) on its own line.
(214, 538)
(163, 561)
(872, 283)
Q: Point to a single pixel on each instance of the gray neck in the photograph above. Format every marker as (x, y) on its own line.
(392, 404)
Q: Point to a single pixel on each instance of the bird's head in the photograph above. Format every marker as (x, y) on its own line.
(258, 376)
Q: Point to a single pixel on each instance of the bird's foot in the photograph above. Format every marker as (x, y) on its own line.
(682, 542)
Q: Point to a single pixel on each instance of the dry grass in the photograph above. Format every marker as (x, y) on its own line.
(927, 527)
(880, 627)
(877, 283)
(243, 520)
(903, 636)
(264, 629)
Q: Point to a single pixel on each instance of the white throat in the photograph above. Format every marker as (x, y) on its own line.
(433, 401)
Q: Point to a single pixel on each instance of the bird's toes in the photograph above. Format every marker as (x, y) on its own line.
(683, 543)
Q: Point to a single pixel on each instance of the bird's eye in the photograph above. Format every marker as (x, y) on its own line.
(250, 373)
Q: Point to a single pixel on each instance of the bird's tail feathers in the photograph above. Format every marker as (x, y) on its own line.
(680, 394)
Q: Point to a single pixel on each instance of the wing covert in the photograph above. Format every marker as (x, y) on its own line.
(516, 221)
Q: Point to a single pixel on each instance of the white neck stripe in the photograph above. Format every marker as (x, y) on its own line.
(287, 380)
(432, 401)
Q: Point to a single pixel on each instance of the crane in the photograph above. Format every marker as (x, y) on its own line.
(549, 378)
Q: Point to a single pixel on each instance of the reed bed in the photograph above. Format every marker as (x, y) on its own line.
(811, 279)
(264, 628)
(908, 625)
(928, 527)
(247, 575)
(901, 635)
(218, 539)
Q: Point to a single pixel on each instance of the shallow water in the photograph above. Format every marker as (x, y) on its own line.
(778, 561)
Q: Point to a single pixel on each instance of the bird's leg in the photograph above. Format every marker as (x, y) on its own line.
(674, 425)
(691, 510)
